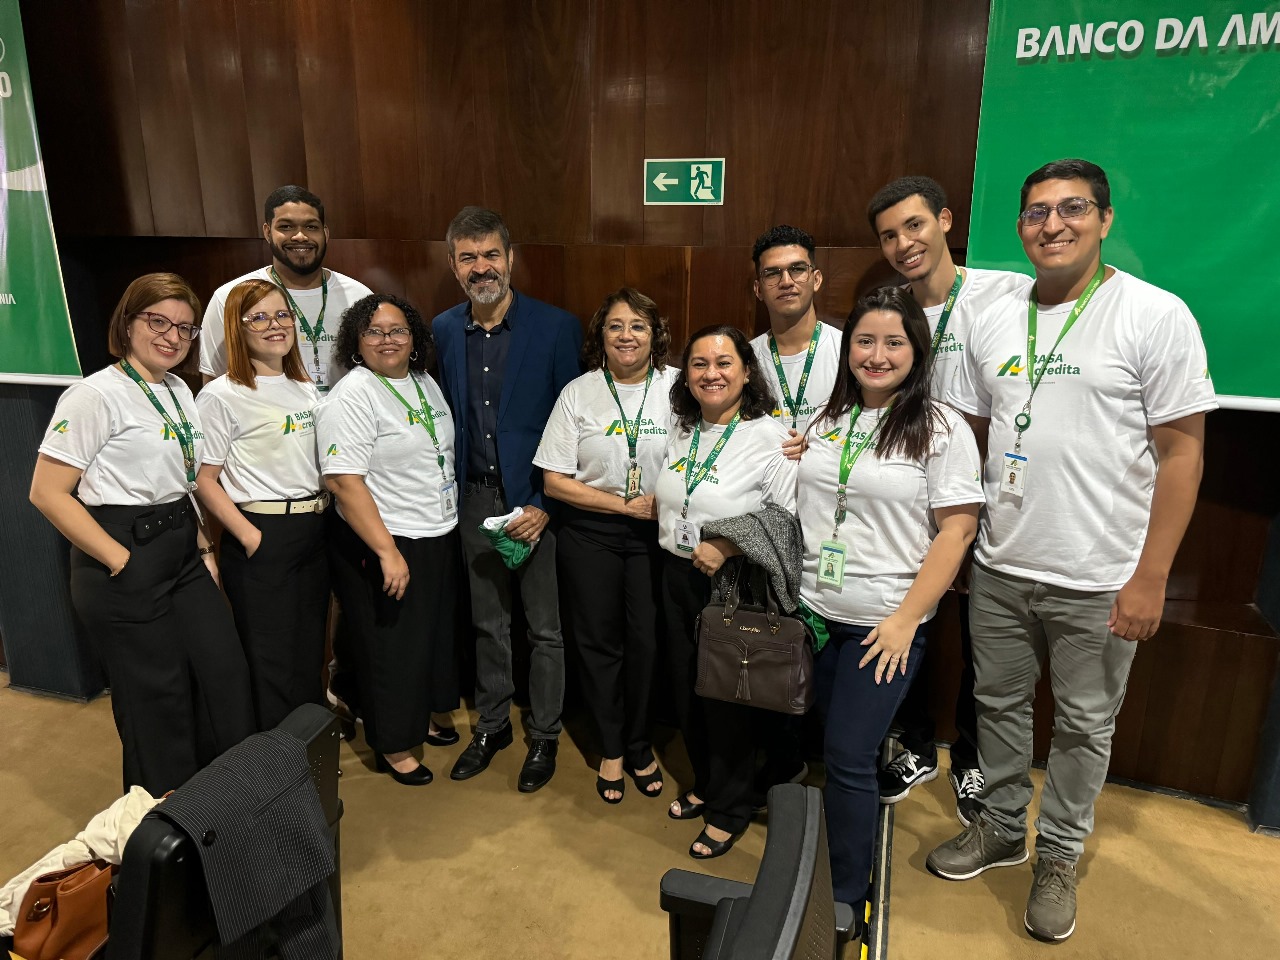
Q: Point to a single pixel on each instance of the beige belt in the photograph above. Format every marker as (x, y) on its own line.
(316, 504)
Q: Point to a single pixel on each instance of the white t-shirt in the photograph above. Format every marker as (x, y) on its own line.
(981, 289)
(584, 437)
(265, 439)
(106, 426)
(822, 375)
(343, 292)
(1133, 360)
(749, 473)
(364, 430)
(889, 524)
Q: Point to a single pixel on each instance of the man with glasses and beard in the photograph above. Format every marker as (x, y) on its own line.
(504, 358)
(294, 228)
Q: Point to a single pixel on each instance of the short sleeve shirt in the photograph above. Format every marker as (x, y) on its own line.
(817, 389)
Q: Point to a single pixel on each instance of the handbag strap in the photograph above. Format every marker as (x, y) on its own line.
(732, 598)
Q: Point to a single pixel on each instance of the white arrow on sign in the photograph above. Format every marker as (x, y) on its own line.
(662, 181)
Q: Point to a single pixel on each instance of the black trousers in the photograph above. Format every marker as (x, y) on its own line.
(280, 599)
(179, 682)
(609, 570)
(718, 735)
(915, 715)
(404, 649)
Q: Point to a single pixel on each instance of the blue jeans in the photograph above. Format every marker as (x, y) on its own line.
(858, 713)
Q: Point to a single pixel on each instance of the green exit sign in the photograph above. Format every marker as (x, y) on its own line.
(687, 181)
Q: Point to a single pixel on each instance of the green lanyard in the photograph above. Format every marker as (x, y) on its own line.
(632, 430)
(185, 434)
(793, 407)
(946, 313)
(1023, 420)
(694, 474)
(421, 415)
(849, 456)
(312, 335)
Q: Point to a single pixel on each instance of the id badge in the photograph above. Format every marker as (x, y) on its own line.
(831, 563)
(449, 499)
(633, 482)
(686, 536)
(1013, 474)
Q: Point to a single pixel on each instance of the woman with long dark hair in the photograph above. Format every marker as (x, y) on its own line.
(724, 459)
(888, 499)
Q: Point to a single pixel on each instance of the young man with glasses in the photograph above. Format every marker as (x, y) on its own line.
(504, 358)
(294, 228)
(1087, 393)
(911, 221)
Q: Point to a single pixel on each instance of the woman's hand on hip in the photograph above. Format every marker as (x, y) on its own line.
(211, 564)
(889, 644)
(395, 574)
(253, 543)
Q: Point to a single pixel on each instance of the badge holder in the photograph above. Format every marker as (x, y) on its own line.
(633, 481)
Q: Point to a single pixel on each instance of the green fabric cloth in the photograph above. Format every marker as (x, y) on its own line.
(816, 624)
(513, 552)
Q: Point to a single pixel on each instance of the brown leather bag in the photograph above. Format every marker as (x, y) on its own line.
(64, 914)
(752, 653)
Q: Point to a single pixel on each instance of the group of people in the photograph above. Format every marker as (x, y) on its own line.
(1057, 422)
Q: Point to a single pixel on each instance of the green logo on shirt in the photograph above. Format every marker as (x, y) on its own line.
(332, 451)
(60, 426)
(680, 465)
(1045, 365)
(302, 420)
(1010, 367)
(647, 428)
(832, 436)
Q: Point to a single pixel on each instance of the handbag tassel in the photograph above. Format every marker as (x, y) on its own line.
(744, 683)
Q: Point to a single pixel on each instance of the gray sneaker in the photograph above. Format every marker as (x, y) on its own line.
(977, 849)
(1051, 907)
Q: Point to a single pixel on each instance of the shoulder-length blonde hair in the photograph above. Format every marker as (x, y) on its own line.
(242, 298)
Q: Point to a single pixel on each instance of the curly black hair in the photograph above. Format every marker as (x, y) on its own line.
(757, 396)
(358, 316)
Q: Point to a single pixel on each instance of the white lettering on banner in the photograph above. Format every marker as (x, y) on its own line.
(6, 87)
(1134, 31)
(7, 299)
(1257, 36)
(1101, 45)
(1235, 26)
(1028, 43)
(1064, 42)
(1170, 33)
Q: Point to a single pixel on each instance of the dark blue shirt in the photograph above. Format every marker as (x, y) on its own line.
(486, 362)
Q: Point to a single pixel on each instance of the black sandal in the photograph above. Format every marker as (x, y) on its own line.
(688, 809)
(644, 781)
(718, 848)
(602, 785)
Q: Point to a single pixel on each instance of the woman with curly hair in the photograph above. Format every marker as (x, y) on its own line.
(601, 454)
(261, 479)
(386, 451)
(724, 459)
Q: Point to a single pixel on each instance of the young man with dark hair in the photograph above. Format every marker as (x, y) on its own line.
(1088, 393)
(911, 220)
(294, 228)
(504, 358)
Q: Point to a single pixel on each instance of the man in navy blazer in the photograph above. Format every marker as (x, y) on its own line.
(504, 358)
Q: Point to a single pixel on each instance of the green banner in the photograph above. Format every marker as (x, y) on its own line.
(1179, 101)
(36, 342)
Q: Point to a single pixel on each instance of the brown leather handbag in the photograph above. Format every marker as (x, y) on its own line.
(64, 914)
(752, 653)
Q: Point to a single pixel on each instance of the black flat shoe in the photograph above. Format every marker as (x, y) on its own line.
(646, 780)
(688, 809)
(447, 737)
(718, 848)
(602, 785)
(480, 752)
(414, 778)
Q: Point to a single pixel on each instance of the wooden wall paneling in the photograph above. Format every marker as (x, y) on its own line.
(154, 30)
(450, 175)
(662, 274)
(219, 118)
(617, 122)
(429, 283)
(385, 44)
(945, 102)
(375, 263)
(847, 273)
(1249, 698)
(591, 273)
(323, 35)
(88, 112)
(677, 54)
(533, 119)
(272, 99)
(538, 271)
(720, 288)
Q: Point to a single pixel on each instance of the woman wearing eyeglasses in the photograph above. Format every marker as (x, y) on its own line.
(261, 479)
(116, 468)
(386, 451)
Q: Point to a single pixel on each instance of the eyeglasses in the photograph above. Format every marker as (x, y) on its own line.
(261, 322)
(395, 335)
(159, 323)
(798, 272)
(1070, 209)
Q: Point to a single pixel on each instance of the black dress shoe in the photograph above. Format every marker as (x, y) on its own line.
(539, 765)
(414, 778)
(475, 759)
(447, 737)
